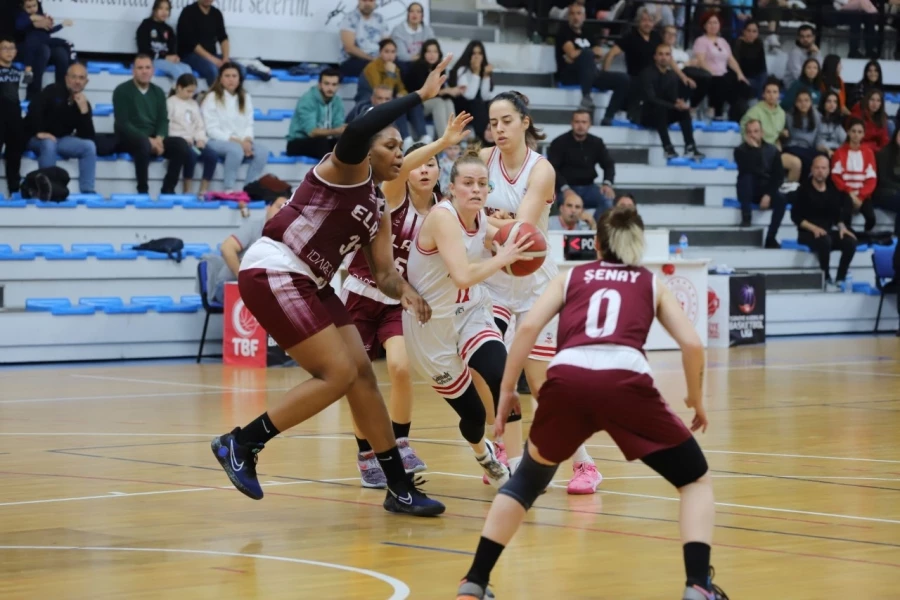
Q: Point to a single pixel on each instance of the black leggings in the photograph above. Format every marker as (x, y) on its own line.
(489, 362)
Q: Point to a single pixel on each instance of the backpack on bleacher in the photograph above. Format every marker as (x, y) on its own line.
(172, 247)
(268, 188)
(49, 185)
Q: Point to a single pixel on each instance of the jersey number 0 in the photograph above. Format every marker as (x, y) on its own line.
(603, 313)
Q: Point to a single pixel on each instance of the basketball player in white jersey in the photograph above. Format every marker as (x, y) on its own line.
(446, 266)
(522, 189)
(409, 197)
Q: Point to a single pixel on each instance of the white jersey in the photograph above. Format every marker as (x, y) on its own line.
(427, 272)
(516, 294)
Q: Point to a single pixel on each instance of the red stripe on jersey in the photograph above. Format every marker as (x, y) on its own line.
(480, 338)
(456, 387)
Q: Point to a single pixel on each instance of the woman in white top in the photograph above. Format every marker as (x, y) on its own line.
(522, 189)
(472, 75)
(447, 268)
(228, 112)
(186, 122)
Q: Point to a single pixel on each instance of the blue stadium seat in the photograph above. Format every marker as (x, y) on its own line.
(197, 250)
(118, 204)
(93, 249)
(125, 310)
(282, 159)
(64, 204)
(284, 113)
(154, 204)
(42, 249)
(307, 160)
(83, 199)
(119, 255)
(109, 158)
(680, 161)
(17, 256)
(13, 203)
(45, 304)
(152, 300)
(201, 205)
(129, 199)
(66, 256)
(192, 299)
(705, 165)
(103, 110)
(178, 199)
(794, 245)
(177, 308)
(72, 310)
(5, 249)
(101, 301)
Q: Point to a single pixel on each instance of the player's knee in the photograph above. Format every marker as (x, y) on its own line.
(340, 373)
(398, 369)
(472, 431)
(471, 414)
(529, 480)
(682, 465)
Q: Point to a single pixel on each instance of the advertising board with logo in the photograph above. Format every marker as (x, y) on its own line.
(717, 298)
(244, 341)
(747, 309)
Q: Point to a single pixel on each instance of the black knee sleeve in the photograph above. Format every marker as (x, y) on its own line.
(680, 465)
(471, 414)
(489, 361)
(501, 325)
(529, 481)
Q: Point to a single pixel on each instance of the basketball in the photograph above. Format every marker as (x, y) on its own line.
(537, 251)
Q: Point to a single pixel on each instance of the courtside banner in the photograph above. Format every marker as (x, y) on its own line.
(294, 15)
(244, 341)
(747, 309)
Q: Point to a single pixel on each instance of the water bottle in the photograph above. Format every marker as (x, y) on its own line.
(848, 284)
(683, 244)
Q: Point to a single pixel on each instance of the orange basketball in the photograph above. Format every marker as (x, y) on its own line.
(537, 251)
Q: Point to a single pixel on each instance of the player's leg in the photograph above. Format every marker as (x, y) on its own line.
(512, 456)
(585, 476)
(288, 307)
(370, 413)
(401, 401)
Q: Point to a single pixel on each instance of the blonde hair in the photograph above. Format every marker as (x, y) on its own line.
(620, 236)
(469, 157)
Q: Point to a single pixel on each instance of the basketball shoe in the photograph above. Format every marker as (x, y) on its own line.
(407, 499)
(695, 592)
(472, 591)
(496, 472)
(239, 463)
(370, 472)
(411, 462)
(501, 456)
(585, 478)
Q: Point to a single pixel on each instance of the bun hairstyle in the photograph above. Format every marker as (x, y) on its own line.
(520, 102)
(413, 148)
(620, 236)
(469, 157)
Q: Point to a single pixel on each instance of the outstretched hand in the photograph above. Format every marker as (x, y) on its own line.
(456, 129)
(508, 405)
(436, 80)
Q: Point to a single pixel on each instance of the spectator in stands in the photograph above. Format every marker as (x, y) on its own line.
(769, 113)
(472, 74)
(441, 106)
(770, 11)
(804, 48)
(186, 122)
(380, 95)
(39, 49)
(856, 14)
(663, 105)
(853, 171)
(870, 110)
(318, 118)
(202, 40)
(832, 82)
(625, 200)
(225, 268)
(810, 81)
(411, 35)
(822, 214)
(802, 125)
(691, 68)
(887, 190)
(751, 56)
(872, 78)
(155, 38)
(361, 30)
(715, 55)
(575, 156)
(760, 175)
(8, 11)
(572, 216)
(576, 64)
(446, 160)
(142, 126)
(60, 122)
(638, 45)
(228, 113)
(12, 131)
(384, 72)
(831, 124)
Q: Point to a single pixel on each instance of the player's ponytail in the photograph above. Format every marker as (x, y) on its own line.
(533, 135)
(469, 157)
(620, 236)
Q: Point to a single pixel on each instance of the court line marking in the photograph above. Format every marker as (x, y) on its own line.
(401, 591)
(164, 382)
(122, 396)
(775, 454)
(161, 492)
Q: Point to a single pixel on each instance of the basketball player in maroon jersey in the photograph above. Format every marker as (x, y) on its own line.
(600, 380)
(285, 282)
(409, 198)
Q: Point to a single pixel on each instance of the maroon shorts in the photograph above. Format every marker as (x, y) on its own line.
(289, 306)
(576, 403)
(377, 322)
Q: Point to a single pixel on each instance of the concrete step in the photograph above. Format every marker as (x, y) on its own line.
(664, 196)
(719, 237)
(453, 17)
(517, 80)
(795, 280)
(465, 32)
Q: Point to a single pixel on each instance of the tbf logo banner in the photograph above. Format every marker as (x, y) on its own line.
(243, 339)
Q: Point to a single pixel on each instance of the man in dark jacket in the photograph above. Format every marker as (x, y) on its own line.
(202, 40)
(60, 122)
(760, 175)
(662, 104)
(12, 132)
(575, 156)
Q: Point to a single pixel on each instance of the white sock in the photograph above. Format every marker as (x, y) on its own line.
(581, 455)
(514, 464)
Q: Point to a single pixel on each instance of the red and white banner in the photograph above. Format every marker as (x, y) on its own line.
(718, 300)
(243, 338)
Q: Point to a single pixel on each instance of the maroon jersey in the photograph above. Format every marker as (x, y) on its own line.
(322, 222)
(405, 224)
(607, 303)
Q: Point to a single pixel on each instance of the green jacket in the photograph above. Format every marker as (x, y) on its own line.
(140, 115)
(312, 112)
(771, 119)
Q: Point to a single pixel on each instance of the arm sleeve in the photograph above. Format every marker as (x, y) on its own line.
(185, 33)
(555, 156)
(221, 34)
(212, 118)
(143, 39)
(36, 110)
(400, 37)
(606, 162)
(799, 206)
(85, 127)
(647, 77)
(306, 115)
(353, 146)
(122, 113)
(837, 172)
(23, 21)
(248, 111)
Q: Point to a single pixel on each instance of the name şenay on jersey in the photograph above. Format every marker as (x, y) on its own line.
(602, 274)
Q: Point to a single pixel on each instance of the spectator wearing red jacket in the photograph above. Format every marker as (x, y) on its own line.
(853, 171)
(870, 110)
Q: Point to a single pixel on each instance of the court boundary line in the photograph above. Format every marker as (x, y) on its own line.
(401, 591)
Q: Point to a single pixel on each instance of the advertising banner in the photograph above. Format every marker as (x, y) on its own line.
(717, 303)
(244, 341)
(747, 309)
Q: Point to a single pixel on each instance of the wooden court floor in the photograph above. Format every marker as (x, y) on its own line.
(109, 490)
